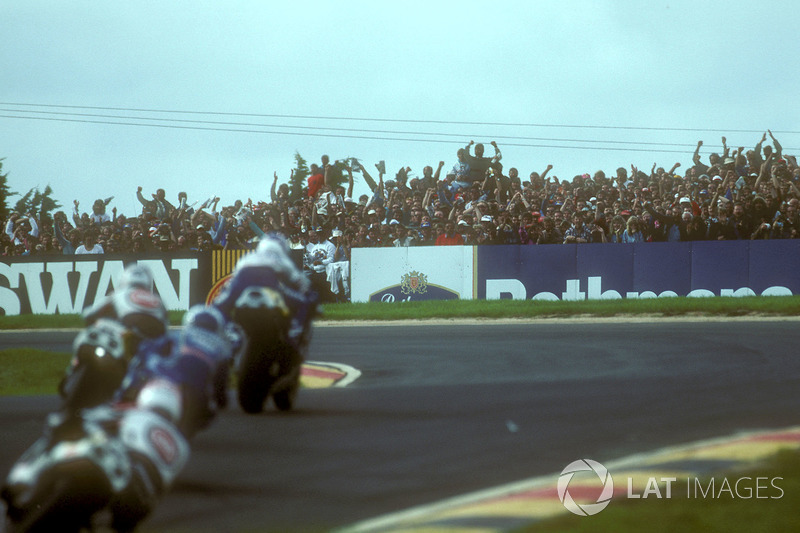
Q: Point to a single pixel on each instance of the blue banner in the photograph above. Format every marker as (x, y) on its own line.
(644, 270)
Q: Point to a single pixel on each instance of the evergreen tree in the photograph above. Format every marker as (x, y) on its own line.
(23, 205)
(40, 204)
(298, 180)
(46, 205)
(5, 192)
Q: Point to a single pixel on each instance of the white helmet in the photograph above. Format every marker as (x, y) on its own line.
(205, 317)
(273, 243)
(162, 397)
(136, 275)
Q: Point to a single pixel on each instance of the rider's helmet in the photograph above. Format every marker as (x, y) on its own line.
(273, 242)
(208, 318)
(137, 276)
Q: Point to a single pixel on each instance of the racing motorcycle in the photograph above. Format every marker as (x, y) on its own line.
(269, 364)
(89, 470)
(61, 481)
(106, 458)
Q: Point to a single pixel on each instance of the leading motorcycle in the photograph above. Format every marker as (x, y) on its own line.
(270, 364)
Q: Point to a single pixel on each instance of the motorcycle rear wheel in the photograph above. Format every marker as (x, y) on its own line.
(259, 366)
(284, 399)
(67, 504)
(253, 381)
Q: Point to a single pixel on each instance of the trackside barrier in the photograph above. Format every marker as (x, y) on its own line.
(67, 284)
(58, 284)
(578, 271)
(412, 273)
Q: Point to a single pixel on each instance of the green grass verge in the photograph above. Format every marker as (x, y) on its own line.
(724, 514)
(25, 371)
(724, 306)
(65, 321)
(495, 309)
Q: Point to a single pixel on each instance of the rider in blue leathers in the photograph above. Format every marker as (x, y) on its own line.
(196, 360)
(271, 266)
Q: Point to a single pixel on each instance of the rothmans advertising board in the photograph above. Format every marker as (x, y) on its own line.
(578, 271)
(412, 273)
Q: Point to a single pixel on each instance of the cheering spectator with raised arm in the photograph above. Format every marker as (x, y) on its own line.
(159, 207)
(69, 242)
(281, 195)
(478, 164)
(210, 224)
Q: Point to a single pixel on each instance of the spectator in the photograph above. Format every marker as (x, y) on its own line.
(741, 222)
(633, 232)
(696, 228)
(478, 164)
(315, 181)
(720, 228)
(338, 271)
(90, 245)
(158, 207)
(667, 224)
(99, 215)
(404, 237)
(429, 179)
(617, 230)
(550, 233)
(578, 232)
(319, 253)
(426, 235)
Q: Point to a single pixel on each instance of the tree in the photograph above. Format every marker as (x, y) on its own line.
(338, 174)
(298, 180)
(5, 192)
(39, 204)
(46, 205)
(23, 205)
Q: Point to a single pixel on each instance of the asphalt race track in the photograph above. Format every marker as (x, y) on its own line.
(445, 409)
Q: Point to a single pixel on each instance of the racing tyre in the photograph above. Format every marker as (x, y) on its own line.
(284, 399)
(253, 382)
(258, 368)
(66, 505)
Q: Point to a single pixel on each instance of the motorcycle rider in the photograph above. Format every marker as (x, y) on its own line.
(186, 388)
(133, 303)
(137, 309)
(196, 359)
(269, 263)
(269, 298)
(131, 451)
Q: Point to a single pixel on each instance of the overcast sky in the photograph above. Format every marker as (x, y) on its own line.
(582, 85)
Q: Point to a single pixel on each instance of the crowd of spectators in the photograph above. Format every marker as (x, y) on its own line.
(736, 194)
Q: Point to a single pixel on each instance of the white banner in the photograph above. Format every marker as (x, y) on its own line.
(413, 273)
(66, 286)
